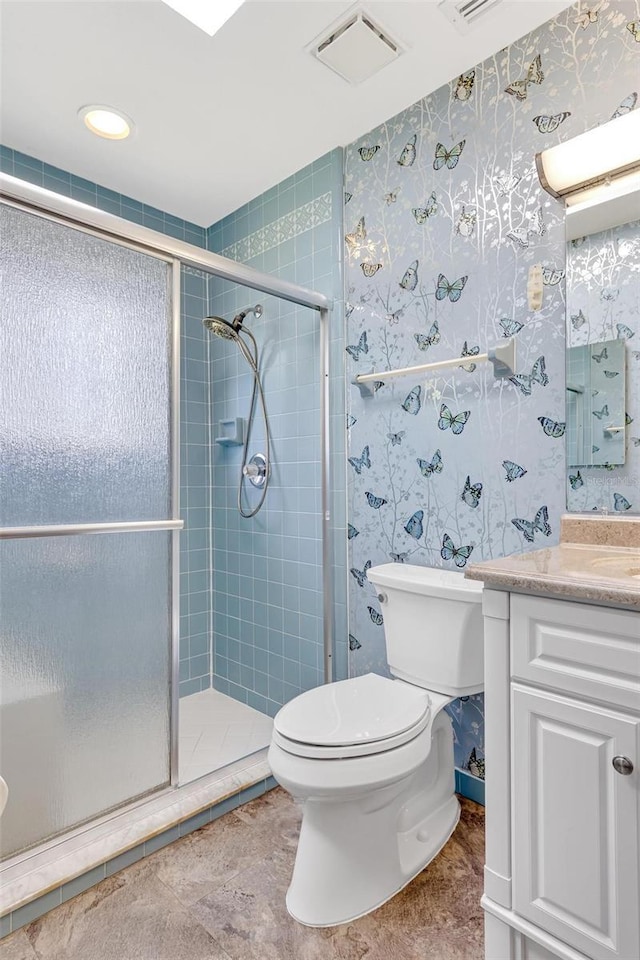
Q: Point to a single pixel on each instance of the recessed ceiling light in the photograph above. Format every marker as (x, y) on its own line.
(106, 122)
(205, 14)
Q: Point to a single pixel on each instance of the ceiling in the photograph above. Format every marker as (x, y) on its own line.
(218, 119)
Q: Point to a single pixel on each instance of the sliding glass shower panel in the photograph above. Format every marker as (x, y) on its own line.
(84, 662)
(84, 376)
(85, 439)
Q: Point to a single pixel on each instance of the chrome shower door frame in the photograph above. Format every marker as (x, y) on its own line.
(33, 199)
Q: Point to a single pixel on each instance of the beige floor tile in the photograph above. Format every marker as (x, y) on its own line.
(197, 864)
(16, 947)
(130, 916)
(220, 893)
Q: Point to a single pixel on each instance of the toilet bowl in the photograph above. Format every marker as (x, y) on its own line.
(371, 758)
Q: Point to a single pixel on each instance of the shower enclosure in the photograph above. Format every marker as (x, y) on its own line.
(90, 520)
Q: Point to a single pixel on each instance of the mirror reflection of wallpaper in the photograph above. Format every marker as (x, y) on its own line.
(444, 216)
(603, 303)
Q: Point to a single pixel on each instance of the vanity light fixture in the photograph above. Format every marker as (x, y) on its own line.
(593, 159)
(208, 15)
(106, 122)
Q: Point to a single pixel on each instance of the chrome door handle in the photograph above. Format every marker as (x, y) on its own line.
(622, 765)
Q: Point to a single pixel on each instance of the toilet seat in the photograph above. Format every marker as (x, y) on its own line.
(352, 718)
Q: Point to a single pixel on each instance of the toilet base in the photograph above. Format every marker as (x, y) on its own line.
(357, 850)
(441, 823)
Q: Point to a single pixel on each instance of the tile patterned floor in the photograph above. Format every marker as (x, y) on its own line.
(218, 894)
(216, 730)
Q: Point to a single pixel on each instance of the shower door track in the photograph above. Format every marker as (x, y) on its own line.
(30, 198)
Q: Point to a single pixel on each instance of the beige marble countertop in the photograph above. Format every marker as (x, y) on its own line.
(579, 571)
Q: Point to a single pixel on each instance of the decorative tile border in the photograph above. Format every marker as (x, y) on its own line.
(291, 225)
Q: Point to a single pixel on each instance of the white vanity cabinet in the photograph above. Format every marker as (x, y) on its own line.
(562, 689)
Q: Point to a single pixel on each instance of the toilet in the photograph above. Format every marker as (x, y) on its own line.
(370, 759)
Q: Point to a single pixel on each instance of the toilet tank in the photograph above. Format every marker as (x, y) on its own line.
(433, 627)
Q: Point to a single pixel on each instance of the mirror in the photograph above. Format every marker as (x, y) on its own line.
(596, 404)
(603, 357)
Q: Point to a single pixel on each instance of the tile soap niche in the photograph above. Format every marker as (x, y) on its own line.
(231, 432)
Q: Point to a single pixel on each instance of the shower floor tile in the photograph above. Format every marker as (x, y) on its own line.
(216, 730)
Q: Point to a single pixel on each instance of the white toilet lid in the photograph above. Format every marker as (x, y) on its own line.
(356, 711)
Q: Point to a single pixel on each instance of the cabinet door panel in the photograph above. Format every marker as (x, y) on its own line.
(575, 823)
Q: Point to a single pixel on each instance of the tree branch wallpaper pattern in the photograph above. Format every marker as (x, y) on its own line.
(444, 216)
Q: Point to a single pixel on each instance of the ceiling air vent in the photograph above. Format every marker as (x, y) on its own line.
(464, 14)
(355, 48)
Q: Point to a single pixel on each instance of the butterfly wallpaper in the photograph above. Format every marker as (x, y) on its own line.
(445, 216)
(603, 303)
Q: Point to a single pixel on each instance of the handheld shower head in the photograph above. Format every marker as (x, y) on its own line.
(229, 331)
(220, 328)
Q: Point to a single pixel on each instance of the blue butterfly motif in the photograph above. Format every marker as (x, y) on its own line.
(601, 413)
(354, 350)
(514, 470)
(459, 555)
(610, 374)
(551, 427)
(576, 481)
(375, 616)
(594, 449)
(448, 157)
(358, 463)
(456, 423)
(547, 124)
(413, 402)
(353, 643)
(413, 526)
(453, 290)
(620, 503)
(430, 208)
(351, 421)
(528, 528)
(368, 153)
(352, 532)
(525, 381)
(361, 575)
(408, 155)
(510, 327)
(624, 332)
(429, 467)
(469, 352)
(471, 493)
(599, 357)
(396, 438)
(433, 337)
(375, 502)
(398, 557)
(410, 278)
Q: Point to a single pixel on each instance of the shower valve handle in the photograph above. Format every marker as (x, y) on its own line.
(256, 470)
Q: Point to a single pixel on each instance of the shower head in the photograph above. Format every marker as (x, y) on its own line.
(220, 328)
(229, 331)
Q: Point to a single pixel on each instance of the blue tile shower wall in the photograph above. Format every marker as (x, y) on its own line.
(268, 570)
(445, 215)
(195, 488)
(195, 600)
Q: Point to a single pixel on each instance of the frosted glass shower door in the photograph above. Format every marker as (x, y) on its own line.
(85, 445)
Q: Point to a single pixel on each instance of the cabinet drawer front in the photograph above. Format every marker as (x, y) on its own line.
(575, 647)
(575, 823)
